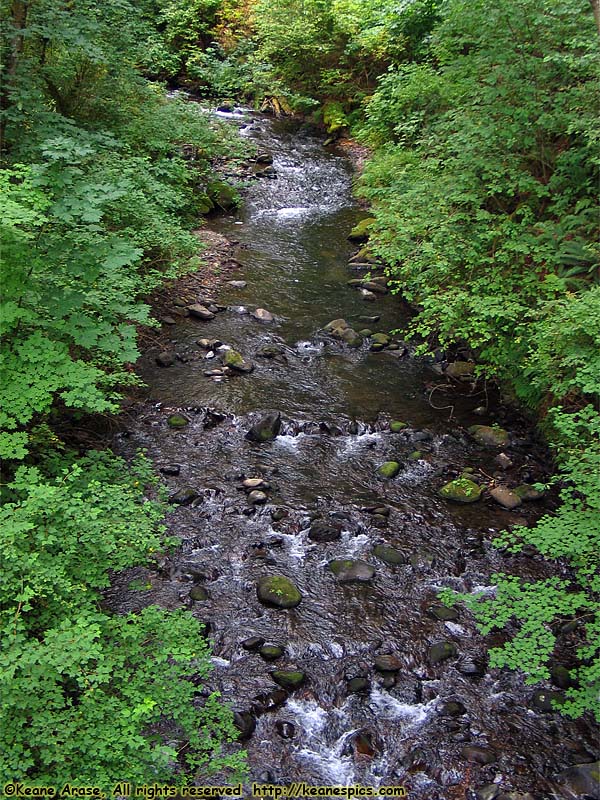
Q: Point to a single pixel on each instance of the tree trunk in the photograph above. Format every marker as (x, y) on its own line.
(596, 9)
(18, 13)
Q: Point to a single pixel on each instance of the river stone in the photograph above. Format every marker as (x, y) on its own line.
(177, 421)
(370, 320)
(253, 643)
(472, 667)
(200, 312)
(323, 531)
(270, 351)
(336, 324)
(416, 455)
(360, 232)
(372, 286)
(441, 651)
(257, 497)
(263, 315)
(171, 469)
(460, 370)
(278, 591)
(461, 490)
(527, 492)
(350, 337)
(287, 730)
(354, 282)
(545, 700)
(389, 555)
(266, 429)
(504, 497)
(288, 679)
(184, 497)
(381, 338)
(245, 724)
(561, 677)
(222, 195)
(488, 792)
(396, 426)
(198, 593)
(452, 708)
(580, 780)
(376, 347)
(368, 295)
(264, 158)
(387, 663)
(443, 613)
(270, 652)
(359, 684)
(348, 570)
(255, 483)
(269, 701)
(237, 284)
(166, 359)
(489, 436)
(167, 320)
(266, 172)
(389, 469)
(365, 333)
(478, 754)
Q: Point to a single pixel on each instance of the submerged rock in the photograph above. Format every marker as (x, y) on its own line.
(461, 490)
(278, 591)
(166, 359)
(348, 570)
(490, 436)
(266, 429)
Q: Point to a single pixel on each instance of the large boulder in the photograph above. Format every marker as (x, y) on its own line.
(223, 195)
(266, 429)
(579, 780)
(277, 591)
(490, 436)
(462, 490)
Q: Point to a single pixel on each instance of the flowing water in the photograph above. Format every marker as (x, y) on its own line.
(336, 404)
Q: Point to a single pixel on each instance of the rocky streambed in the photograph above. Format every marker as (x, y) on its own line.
(326, 484)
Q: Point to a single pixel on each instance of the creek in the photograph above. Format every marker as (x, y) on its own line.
(443, 728)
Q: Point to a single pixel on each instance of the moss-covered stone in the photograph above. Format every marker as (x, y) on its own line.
(416, 455)
(348, 570)
(223, 195)
(527, 492)
(198, 593)
(441, 651)
(177, 421)
(397, 425)
(360, 232)
(288, 679)
(389, 555)
(490, 436)
(462, 490)
(271, 652)
(278, 591)
(389, 469)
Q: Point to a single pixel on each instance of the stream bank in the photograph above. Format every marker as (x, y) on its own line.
(391, 688)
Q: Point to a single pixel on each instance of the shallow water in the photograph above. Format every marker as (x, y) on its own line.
(336, 404)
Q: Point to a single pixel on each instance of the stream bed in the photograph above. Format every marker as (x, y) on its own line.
(441, 728)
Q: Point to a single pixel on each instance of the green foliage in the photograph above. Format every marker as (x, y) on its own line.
(87, 697)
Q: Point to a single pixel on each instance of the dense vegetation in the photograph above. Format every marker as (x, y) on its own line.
(483, 180)
(97, 201)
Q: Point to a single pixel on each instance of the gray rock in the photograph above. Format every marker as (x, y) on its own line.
(263, 315)
(372, 286)
(389, 555)
(324, 531)
(441, 651)
(266, 429)
(442, 613)
(368, 295)
(245, 724)
(504, 497)
(490, 436)
(168, 320)
(250, 484)
(527, 492)
(358, 685)
(579, 780)
(488, 792)
(237, 284)
(200, 312)
(257, 498)
(184, 497)
(348, 570)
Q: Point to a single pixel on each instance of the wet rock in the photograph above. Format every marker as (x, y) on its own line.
(198, 593)
(237, 284)
(461, 490)
(365, 743)
(350, 337)
(389, 469)
(234, 360)
(544, 700)
(360, 232)
(199, 311)
(368, 295)
(472, 667)
(177, 421)
(245, 723)
(365, 333)
(416, 455)
(561, 677)
(263, 315)
(166, 359)
(443, 613)
(478, 754)
(389, 555)
(375, 287)
(348, 570)
(171, 469)
(249, 484)
(288, 679)
(336, 325)
(269, 701)
(505, 498)
(266, 429)
(270, 652)
(324, 531)
(209, 344)
(278, 514)
(223, 195)
(488, 792)
(460, 370)
(278, 591)
(527, 492)
(253, 643)
(452, 708)
(168, 320)
(490, 436)
(370, 320)
(387, 663)
(397, 425)
(286, 730)
(503, 461)
(441, 651)
(184, 497)
(358, 685)
(270, 351)
(264, 158)
(581, 780)
(257, 497)
(267, 172)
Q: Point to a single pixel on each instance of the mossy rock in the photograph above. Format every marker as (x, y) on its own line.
(177, 421)
(350, 337)
(223, 195)
(235, 361)
(527, 492)
(204, 204)
(416, 455)
(490, 436)
(389, 555)
(396, 426)
(288, 679)
(381, 338)
(270, 652)
(389, 469)
(198, 593)
(366, 332)
(348, 570)
(278, 591)
(360, 232)
(462, 490)
(441, 651)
